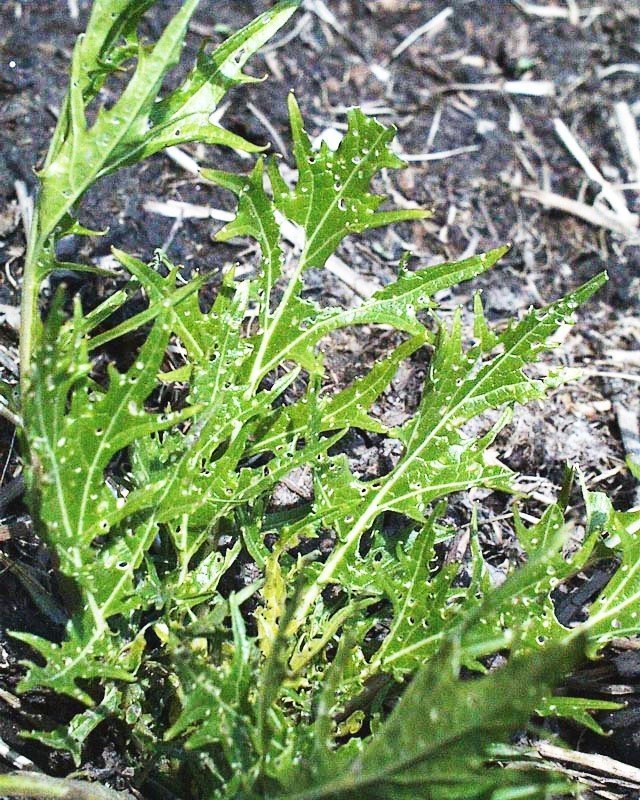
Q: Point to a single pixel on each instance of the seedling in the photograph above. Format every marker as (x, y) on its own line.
(285, 686)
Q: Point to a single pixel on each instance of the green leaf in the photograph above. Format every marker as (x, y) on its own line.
(72, 736)
(423, 603)
(331, 198)
(578, 709)
(435, 741)
(75, 430)
(188, 108)
(158, 488)
(256, 218)
(615, 611)
(438, 459)
(224, 687)
(138, 125)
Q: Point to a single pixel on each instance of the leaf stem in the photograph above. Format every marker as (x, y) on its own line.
(258, 371)
(33, 784)
(29, 302)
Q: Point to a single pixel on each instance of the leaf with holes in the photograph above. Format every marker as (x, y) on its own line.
(245, 600)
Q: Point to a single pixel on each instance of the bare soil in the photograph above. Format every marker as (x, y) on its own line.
(448, 91)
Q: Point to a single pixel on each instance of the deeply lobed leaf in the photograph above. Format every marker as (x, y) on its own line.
(156, 510)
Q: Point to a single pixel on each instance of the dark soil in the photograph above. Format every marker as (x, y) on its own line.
(477, 204)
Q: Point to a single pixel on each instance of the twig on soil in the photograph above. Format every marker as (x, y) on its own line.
(603, 476)
(74, 11)
(441, 155)
(614, 69)
(610, 193)
(630, 137)
(435, 126)
(602, 765)
(324, 14)
(596, 216)
(320, 9)
(183, 160)
(574, 12)
(271, 130)
(369, 109)
(10, 699)
(15, 759)
(521, 87)
(304, 20)
(176, 209)
(172, 234)
(630, 357)
(14, 419)
(629, 426)
(430, 28)
(623, 376)
(9, 361)
(32, 784)
(571, 12)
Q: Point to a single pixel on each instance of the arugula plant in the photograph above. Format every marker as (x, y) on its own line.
(290, 684)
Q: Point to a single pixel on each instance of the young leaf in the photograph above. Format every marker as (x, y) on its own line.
(136, 126)
(615, 611)
(331, 198)
(578, 709)
(438, 459)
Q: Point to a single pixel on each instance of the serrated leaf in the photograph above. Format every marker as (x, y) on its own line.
(615, 611)
(438, 459)
(72, 736)
(216, 707)
(155, 487)
(331, 198)
(137, 126)
(578, 709)
(75, 430)
(422, 599)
